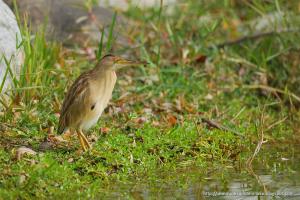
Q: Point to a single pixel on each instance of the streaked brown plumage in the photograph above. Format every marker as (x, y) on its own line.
(89, 96)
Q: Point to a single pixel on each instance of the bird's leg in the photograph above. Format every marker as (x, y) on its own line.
(82, 143)
(85, 139)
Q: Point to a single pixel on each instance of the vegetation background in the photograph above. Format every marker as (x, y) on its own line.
(223, 80)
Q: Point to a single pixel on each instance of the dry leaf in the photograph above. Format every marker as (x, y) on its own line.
(208, 97)
(167, 106)
(56, 138)
(23, 151)
(172, 120)
(155, 123)
(141, 120)
(200, 58)
(67, 135)
(104, 130)
(22, 178)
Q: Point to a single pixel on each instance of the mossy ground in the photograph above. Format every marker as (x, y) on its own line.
(153, 128)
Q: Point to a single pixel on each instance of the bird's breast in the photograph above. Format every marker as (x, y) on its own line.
(101, 94)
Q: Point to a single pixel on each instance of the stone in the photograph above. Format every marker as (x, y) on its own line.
(72, 22)
(10, 50)
(274, 21)
(124, 5)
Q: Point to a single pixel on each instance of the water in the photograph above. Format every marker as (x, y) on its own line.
(275, 174)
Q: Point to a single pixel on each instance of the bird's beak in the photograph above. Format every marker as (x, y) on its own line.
(121, 63)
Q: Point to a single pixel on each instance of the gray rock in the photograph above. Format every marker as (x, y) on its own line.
(10, 38)
(71, 21)
(124, 5)
(274, 21)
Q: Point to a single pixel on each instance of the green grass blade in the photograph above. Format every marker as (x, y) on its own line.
(3, 81)
(110, 35)
(100, 46)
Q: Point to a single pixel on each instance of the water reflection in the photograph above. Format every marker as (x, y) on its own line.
(275, 174)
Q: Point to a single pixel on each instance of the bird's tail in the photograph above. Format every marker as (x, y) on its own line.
(61, 127)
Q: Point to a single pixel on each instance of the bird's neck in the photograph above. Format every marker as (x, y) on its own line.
(104, 74)
(101, 70)
(110, 79)
(112, 75)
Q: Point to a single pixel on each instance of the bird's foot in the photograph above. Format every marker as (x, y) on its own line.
(85, 140)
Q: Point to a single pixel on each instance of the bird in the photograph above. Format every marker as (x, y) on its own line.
(89, 95)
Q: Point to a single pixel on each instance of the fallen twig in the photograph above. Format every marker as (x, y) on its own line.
(250, 170)
(276, 123)
(240, 61)
(260, 142)
(271, 89)
(237, 115)
(220, 126)
(257, 149)
(255, 37)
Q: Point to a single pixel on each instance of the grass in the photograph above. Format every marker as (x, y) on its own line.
(152, 130)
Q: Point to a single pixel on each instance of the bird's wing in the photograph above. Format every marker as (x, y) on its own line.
(76, 97)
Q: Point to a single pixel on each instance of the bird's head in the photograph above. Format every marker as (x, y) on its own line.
(116, 62)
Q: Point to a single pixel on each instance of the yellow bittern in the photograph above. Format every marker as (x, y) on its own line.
(89, 95)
